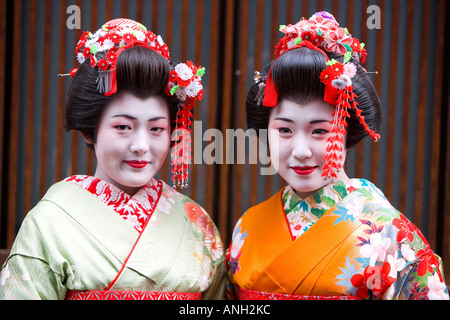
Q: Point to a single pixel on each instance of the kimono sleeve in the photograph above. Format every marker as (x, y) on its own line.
(216, 290)
(423, 279)
(420, 274)
(232, 256)
(29, 278)
(27, 273)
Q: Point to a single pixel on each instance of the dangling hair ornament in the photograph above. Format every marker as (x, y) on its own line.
(260, 80)
(185, 84)
(112, 39)
(322, 33)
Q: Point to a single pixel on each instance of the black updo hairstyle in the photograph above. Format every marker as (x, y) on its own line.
(139, 71)
(295, 75)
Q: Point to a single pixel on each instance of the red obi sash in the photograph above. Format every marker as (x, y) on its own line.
(131, 295)
(245, 294)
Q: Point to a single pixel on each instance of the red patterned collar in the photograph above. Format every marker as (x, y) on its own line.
(135, 210)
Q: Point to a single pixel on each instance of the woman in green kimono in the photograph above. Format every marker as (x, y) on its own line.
(122, 234)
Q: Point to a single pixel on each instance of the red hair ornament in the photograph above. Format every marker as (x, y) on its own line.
(118, 35)
(323, 33)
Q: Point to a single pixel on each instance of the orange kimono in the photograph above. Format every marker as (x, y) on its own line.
(345, 241)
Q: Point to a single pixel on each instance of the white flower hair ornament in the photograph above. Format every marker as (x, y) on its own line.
(113, 38)
(322, 33)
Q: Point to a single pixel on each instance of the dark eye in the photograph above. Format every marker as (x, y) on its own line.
(157, 129)
(123, 127)
(320, 131)
(284, 130)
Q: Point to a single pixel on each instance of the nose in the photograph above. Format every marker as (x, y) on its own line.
(140, 143)
(301, 148)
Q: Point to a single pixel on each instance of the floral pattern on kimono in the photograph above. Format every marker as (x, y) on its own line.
(303, 214)
(388, 257)
(178, 251)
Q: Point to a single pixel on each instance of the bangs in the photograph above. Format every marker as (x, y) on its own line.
(142, 72)
(296, 75)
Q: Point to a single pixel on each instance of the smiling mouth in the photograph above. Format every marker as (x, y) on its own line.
(137, 164)
(303, 171)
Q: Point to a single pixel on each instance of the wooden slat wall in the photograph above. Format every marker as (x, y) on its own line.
(232, 39)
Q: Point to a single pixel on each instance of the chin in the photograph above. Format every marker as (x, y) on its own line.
(136, 182)
(305, 186)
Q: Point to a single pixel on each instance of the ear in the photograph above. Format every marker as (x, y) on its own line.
(87, 139)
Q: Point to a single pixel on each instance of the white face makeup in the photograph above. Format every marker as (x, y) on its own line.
(298, 142)
(132, 141)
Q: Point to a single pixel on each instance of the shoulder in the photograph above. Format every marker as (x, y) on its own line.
(190, 208)
(368, 193)
(202, 227)
(49, 204)
(45, 223)
(247, 219)
(270, 203)
(382, 213)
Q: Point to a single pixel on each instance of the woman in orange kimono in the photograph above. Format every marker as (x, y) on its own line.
(324, 236)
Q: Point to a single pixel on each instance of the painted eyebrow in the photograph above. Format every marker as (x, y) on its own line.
(311, 122)
(319, 121)
(133, 118)
(284, 119)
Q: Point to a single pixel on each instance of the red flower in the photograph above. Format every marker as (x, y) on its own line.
(282, 46)
(80, 44)
(331, 73)
(111, 57)
(129, 37)
(189, 104)
(356, 45)
(193, 211)
(427, 261)
(103, 65)
(312, 37)
(164, 51)
(374, 278)
(385, 280)
(173, 76)
(102, 39)
(93, 62)
(359, 282)
(407, 229)
(363, 55)
(114, 37)
(200, 95)
(86, 52)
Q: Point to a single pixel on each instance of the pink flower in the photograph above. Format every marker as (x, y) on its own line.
(289, 29)
(337, 39)
(349, 69)
(206, 225)
(436, 288)
(322, 24)
(376, 249)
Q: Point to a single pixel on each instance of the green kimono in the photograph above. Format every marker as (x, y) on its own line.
(73, 241)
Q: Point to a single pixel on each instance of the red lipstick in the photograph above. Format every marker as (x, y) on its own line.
(303, 171)
(137, 164)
